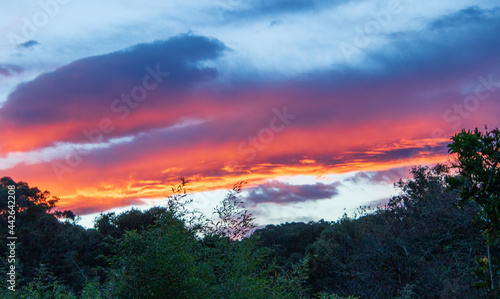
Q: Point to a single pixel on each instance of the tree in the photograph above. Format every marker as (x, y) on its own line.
(420, 244)
(478, 162)
(29, 200)
(234, 221)
(157, 262)
(115, 226)
(188, 255)
(65, 249)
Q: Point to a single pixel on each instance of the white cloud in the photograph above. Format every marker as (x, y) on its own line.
(59, 151)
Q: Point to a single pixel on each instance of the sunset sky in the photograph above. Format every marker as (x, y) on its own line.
(318, 105)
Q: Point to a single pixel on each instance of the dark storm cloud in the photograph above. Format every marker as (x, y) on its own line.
(93, 82)
(278, 192)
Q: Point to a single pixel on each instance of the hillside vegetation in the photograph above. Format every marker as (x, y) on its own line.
(420, 246)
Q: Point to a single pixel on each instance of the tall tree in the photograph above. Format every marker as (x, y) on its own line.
(478, 162)
(65, 249)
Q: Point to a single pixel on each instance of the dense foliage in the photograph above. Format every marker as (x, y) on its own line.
(478, 162)
(419, 246)
(165, 252)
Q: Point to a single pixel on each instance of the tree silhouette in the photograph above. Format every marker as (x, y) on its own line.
(478, 162)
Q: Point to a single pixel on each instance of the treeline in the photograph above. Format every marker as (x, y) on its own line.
(421, 245)
(165, 252)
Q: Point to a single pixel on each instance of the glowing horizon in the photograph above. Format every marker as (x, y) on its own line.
(112, 113)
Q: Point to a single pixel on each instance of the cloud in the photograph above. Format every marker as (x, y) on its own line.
(404, 85)
(451, 43)
(8, 70)
(236, 10)
(473, 15)
(89, 81)
(370, 117)
(82, 93)
(275, 23)
(282, 193)
(83, 205)
(376, 177)
(28, 45)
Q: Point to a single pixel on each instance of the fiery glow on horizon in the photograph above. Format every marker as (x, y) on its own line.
(117, 122)
(119, 187)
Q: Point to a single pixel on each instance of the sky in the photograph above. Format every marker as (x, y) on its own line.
(319, 106)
